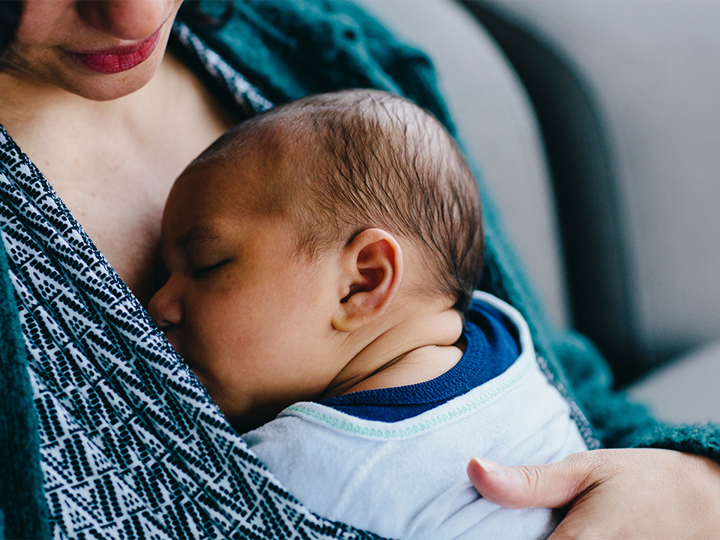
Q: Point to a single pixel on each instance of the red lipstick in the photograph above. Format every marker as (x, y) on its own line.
(115, 60)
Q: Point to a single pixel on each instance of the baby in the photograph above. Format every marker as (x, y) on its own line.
(321, 264)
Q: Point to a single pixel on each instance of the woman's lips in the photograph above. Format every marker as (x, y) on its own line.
(120, 58)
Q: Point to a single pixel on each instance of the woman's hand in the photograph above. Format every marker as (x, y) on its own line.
(623, 494)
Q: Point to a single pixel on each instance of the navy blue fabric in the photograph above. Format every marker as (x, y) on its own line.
(492, 347)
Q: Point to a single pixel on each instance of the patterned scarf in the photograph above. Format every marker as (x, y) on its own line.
(132, 446)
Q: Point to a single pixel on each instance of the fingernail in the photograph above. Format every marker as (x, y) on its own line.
(490, 467)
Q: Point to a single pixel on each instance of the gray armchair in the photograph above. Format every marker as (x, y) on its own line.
(597, 126)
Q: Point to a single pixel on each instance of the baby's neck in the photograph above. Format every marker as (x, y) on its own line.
(419, 348)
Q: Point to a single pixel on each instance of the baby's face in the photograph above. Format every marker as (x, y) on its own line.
(246, 312)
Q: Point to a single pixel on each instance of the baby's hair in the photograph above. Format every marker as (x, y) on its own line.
(366, 158)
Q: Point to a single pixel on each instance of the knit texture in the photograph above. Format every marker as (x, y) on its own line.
(23, 512)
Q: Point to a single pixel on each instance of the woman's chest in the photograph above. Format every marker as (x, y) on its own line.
(114, 170)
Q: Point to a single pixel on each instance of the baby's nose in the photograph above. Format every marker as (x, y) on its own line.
(166, 309)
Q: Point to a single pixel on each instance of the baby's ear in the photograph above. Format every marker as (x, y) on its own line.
(372, 269)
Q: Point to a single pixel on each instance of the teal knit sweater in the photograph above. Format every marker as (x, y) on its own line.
(288, 50)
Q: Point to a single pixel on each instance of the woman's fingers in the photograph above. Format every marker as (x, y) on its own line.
(614, 494)
(533, 486)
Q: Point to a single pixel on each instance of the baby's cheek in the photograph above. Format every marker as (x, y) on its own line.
(172, 338)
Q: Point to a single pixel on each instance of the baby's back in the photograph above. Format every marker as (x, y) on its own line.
(407, 479)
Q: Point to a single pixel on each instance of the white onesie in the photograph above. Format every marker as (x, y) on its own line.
(407, 479)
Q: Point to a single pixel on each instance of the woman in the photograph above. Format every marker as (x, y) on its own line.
(130, 444)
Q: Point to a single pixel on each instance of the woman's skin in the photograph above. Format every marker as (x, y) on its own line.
(625, 494)
(104, 130)
(111, 145)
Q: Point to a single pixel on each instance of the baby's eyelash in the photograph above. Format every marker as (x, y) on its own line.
(207, 269)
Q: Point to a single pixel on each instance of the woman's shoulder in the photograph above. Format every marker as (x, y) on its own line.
(291, 49)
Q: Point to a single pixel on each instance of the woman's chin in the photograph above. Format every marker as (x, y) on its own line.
(107, 87)
(60, 70)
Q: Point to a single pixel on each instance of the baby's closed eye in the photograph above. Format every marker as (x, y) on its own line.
(205, 268)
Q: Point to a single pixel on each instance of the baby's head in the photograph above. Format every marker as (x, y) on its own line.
(304, 232)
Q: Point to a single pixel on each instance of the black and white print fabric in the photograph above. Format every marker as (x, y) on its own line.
(131, 445)
(248, 99)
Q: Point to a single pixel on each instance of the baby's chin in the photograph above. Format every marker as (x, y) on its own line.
(193, 366)
(189, 362)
